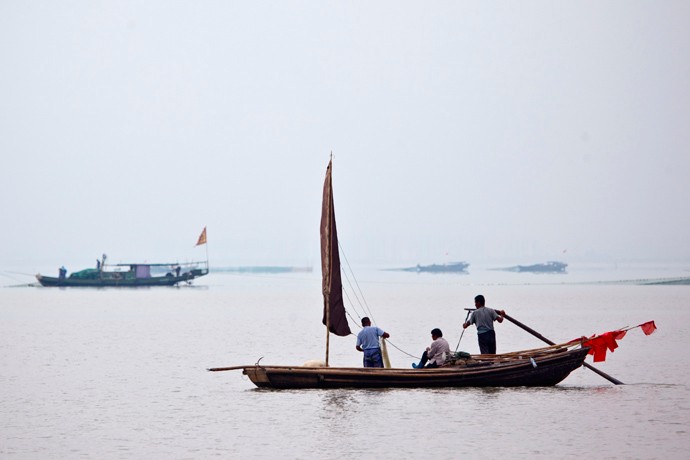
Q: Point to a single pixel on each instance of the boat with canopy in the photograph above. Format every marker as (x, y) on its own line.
(545, 366)
(134, 274)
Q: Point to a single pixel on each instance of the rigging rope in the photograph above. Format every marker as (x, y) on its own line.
(362, 302)
(347, 295)
(364, 305)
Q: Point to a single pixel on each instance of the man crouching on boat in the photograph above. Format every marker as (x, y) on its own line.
(368, 342)
(437, 353)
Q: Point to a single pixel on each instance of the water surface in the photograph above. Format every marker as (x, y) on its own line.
(120, 373)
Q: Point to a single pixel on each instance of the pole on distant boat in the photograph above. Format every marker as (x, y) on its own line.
(204, 240)
(207, 266)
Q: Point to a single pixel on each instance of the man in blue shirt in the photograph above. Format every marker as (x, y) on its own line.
(484, 318)
(368, 342)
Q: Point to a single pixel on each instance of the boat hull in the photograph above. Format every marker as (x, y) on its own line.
(50, 281)
(545, 370)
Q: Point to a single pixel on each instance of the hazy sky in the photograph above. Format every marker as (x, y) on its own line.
(478, 131)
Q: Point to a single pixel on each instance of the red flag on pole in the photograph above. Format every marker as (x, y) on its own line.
(648, 327)
(202, 237)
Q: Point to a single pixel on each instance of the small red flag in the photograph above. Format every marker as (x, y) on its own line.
(202, 238)
(648, 328)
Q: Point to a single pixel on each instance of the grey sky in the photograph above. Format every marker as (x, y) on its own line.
(478, 131)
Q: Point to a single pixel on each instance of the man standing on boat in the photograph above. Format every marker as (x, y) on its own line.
(368, 342)
(484, 318)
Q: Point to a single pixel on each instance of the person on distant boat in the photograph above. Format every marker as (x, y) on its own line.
(368, 343)
(63, 272)
(436, 353)
(484, 318)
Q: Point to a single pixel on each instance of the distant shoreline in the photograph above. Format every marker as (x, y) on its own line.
(262, 269)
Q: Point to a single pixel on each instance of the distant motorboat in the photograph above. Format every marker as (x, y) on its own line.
(547, 267)
(453, 267)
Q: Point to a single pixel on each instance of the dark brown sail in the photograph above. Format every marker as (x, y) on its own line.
(335, 319)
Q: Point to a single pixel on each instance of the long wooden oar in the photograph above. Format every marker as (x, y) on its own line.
(231, 368)
(544, 339)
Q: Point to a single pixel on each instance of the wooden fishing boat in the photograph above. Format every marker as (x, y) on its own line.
(539, 367)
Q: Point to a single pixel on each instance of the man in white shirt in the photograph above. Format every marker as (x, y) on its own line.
(435, 354)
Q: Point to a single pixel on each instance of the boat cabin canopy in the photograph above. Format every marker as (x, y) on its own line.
(143, 271)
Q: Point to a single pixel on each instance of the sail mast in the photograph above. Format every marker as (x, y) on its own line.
(333, 307)
(327, 264)
(328, 332)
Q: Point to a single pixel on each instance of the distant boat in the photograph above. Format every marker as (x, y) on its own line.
(453, 267)
(128, 275)
(547, 267)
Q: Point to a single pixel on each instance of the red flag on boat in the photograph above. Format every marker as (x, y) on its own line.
(202, 237)
(648, 328)
(599, 344)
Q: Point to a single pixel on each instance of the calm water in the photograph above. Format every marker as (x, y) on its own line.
(121, 373)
